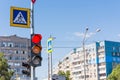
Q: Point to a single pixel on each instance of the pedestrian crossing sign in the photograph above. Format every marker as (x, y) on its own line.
(49, 45)
(20, 17)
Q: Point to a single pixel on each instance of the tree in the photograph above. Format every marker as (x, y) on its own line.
(115, 75)
(66, 74)
(5, 72)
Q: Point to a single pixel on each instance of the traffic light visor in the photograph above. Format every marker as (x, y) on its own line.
(36, 38)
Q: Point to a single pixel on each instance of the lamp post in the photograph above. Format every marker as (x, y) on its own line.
(83, 44)
(84, 37)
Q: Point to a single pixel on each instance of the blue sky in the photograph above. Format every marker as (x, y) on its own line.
(66, 20)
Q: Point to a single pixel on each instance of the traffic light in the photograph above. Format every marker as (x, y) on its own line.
(27, 70)
(36, 50)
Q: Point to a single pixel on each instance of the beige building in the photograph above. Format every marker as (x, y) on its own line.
(100, 59)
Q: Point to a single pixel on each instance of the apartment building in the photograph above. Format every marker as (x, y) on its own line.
(16, 50)
(100, 59)
(63, 65)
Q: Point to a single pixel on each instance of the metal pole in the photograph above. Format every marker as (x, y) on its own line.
(32, 32)
(32, 78)
(84, 37)
(51, 61)
(48, 66)
(51, 65)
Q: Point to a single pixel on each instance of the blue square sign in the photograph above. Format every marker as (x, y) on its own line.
(20, 17)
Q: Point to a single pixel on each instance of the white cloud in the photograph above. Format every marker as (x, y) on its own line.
(78, 34)
(119, 35)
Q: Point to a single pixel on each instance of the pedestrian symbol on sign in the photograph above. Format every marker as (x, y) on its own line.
(20, 19)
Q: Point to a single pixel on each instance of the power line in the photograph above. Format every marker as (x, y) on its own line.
(62, 47)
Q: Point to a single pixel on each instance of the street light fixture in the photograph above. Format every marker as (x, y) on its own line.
(83, 43)
(98, 30)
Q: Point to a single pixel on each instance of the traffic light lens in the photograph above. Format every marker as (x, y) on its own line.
(36, 38)
(36, 60)
(36, 49)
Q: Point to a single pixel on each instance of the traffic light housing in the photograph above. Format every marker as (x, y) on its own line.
(27, 70)
(36, 50)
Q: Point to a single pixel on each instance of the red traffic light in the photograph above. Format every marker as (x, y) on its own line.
(36, 38)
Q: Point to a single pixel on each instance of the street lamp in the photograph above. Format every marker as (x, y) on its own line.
(84, 37)
(83, 43)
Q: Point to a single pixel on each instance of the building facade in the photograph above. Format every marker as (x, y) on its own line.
(100, 59)
(16, 50)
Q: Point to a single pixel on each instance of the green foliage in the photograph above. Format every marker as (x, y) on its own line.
(66, 74)
(115, 75)
(5, 72)
(61, 73)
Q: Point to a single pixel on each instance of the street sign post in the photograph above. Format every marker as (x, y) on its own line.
(49, 51)
(20, 17)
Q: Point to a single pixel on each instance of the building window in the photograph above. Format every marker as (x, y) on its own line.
(101, 69)
(23, 45)
(23, 52)
(67, 66)
(119, 49)
(16, 58)
(17, 64)
(118, 54)
(118, 59)
(113, 48)
(113, 53)
(10, 63)
(10, 44)
(103, 74)
(114, 64)
(4, 44)
(23, 58)
(101, 58)
(17, 45)
(101, 64)
(18, 70)
(114, 59)
(16, 52)
(10, 58)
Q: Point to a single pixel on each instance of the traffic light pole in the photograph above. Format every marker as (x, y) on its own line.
(32, 73)
(32, 32)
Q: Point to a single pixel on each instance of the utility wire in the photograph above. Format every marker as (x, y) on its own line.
(62, 47)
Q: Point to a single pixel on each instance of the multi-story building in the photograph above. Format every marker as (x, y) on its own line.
(16, 50)
(100, 59)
